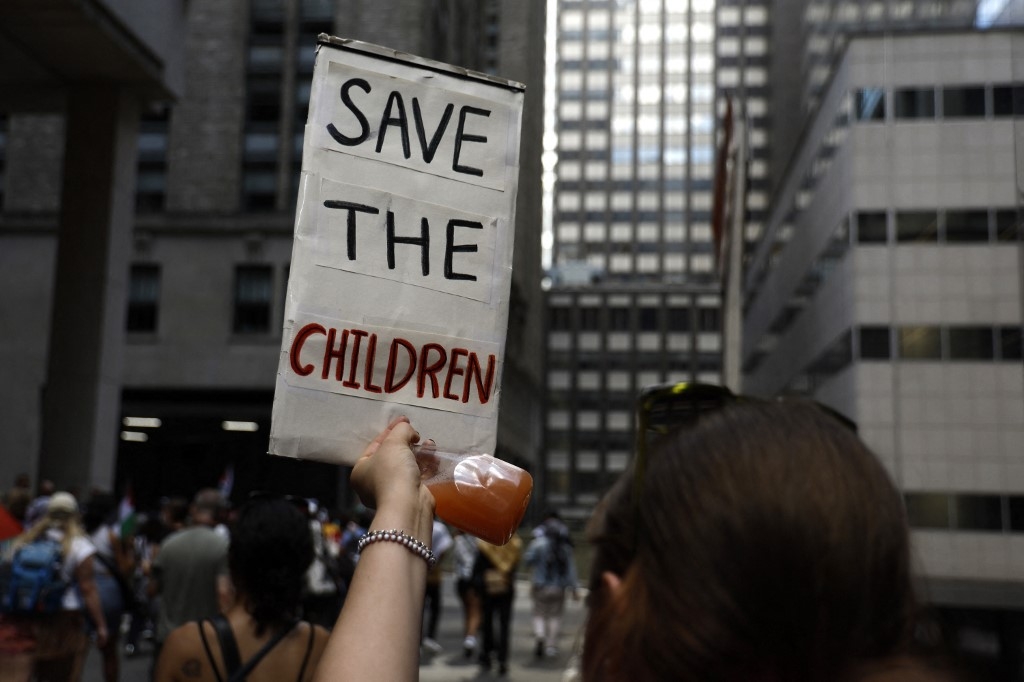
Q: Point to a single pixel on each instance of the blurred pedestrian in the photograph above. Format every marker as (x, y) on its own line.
(51, 645)
(37, 507)
(142, 618)
(465, 550)
(550, 556)
(354, 529)
(494, 573)
(190, 571)
(173, 514)
(441, 540)
(112, 562)
(324, 589)
(17, 499)
(271, 549)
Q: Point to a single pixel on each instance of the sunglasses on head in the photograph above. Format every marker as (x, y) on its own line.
(663, 408)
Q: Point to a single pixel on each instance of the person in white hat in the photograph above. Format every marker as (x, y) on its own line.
(59, 639)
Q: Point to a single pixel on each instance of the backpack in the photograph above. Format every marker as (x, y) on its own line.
(557, 560)
(33, 583)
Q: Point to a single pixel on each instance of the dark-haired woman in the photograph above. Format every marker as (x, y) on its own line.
(270, 550)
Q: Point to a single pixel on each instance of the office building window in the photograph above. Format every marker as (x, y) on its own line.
(869, 104)
(978, 512)
(618, 319)
(875, 343)
(1016, 509)
(920, 343)
(967, 226)
(253, 298)
(1007, 225)
(963, 102)
(927, 510)
(679, 319)
(708, 320)
(872, 227)
(648, 319)
(1010, 343)
(914, 103)
(971, 343)
(917, 226)
(277, 96)
(151, 181)
(560, 319)
(143, 298)
(590, 319)
(265, 67)
(1008, 100)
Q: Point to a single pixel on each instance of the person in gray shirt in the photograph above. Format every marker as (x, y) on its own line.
(190, 571)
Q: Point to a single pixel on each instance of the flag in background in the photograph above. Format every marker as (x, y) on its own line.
(126, 517)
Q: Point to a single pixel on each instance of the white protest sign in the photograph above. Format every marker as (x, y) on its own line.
(402, 261)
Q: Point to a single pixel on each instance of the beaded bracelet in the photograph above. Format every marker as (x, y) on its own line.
(394, 535)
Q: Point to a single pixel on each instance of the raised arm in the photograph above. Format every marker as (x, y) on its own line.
(377, 635)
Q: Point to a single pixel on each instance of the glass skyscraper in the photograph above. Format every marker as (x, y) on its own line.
(633, 297)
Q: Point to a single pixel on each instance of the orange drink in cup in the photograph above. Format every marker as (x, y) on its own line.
(479, 494)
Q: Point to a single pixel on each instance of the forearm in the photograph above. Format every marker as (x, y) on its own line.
(377, 634)
(91, 599)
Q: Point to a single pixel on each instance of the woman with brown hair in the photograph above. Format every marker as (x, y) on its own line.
(762, 541)
(756, 541)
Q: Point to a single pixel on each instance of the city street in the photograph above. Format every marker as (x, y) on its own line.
(447, 666)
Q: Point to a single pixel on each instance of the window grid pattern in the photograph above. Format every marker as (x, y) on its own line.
(253, 300)
(602, 348)
(960, 511)
(151, 181)
(143, 298)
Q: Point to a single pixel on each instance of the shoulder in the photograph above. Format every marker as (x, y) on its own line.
(185, 636)
(183, 655)
(320, 637)
(81, 549)
(170, 541)
(212, 537)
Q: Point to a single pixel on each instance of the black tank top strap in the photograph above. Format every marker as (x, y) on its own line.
(209, 653)
(309, 650)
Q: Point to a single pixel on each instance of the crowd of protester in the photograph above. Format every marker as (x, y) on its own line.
(138, 575)
(152, 572)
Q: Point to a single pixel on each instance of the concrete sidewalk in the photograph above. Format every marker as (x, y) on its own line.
(447, 666)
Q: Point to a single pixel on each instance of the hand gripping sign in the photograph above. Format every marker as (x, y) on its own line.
(401, 266)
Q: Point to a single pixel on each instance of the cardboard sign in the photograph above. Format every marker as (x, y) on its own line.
(402, 261)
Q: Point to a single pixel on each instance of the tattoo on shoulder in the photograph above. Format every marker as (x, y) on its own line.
(191, 668)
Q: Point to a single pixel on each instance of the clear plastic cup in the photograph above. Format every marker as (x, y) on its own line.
(479, 494)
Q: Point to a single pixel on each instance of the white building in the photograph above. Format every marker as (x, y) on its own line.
(888, 282)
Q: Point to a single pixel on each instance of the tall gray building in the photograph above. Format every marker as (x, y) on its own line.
(633, 299)
(210, 241)
(885, 275)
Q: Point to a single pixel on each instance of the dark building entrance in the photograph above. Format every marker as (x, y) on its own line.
(174, 442)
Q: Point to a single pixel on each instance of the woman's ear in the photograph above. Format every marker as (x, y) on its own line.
(611, 582)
